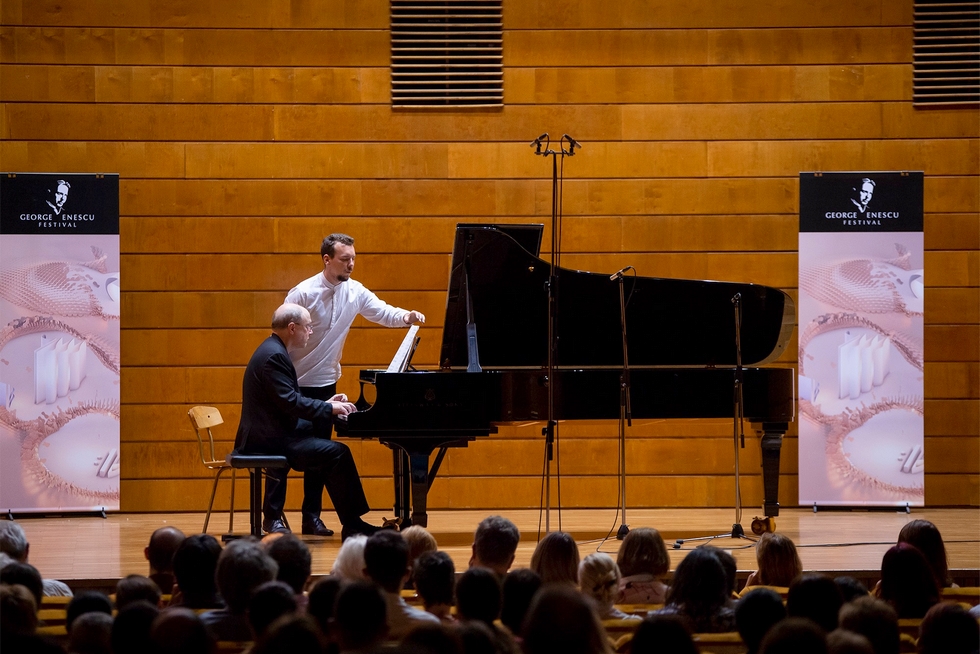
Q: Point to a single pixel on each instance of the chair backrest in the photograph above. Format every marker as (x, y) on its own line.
(203, 418)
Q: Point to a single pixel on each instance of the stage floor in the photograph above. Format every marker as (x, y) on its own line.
(94, 551)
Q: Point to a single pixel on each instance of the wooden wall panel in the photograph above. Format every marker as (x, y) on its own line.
(245, 131)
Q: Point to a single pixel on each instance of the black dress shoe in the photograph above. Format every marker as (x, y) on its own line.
(316, 528)
(276, 526)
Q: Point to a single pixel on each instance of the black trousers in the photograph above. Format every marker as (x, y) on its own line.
(325, 463)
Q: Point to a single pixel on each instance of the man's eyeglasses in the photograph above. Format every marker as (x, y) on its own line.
(308, 328)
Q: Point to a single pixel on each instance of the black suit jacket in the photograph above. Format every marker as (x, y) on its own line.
(272, 405)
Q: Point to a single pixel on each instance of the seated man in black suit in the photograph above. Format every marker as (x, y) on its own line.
(278, 419)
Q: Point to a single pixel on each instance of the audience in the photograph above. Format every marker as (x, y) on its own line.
(517, 591)
(779, 562)
(730, 567)
(321, 601)
(349, 564)
(598, 578)
(643, 563)
(360, 622)
(131, 628)
(13, 543)
(816, 597)
(560, 619)
(270, 601)
(478, 599)
(87, 601)
(435, 583)
(841, 641)
(160, 555)
(948, 628)
(432, 639)
(195, 562)
(925, 537)
(295, 563)
(556, 559)
(133, 588)
(91, 633)
(495, 544)
(386, 563)
(850, 588)
(242, 567)
(755, 614)
(25, 575)
(662, 633)
(419, 542)
(180, 630)
(291, 633)
(907, 582)
(794, 636)
(700, 594)
(873, 619)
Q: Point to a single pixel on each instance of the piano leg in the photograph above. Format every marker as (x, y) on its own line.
(772, 441)
(403, 482)
(419, 466)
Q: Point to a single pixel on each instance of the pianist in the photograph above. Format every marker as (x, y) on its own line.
(334, 300)
(278, 419)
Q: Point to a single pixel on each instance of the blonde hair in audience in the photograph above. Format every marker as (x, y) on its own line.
(643, 552)
(349, 564)
(556, 559)
(598, 577)
(419, 541)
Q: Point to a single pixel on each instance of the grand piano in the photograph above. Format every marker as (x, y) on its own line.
(494, 363)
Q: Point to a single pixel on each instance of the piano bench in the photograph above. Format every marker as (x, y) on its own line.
(254, 463)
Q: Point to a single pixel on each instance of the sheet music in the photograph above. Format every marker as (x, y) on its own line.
(400, 362)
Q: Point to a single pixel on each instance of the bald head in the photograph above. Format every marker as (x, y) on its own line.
(288, 313)
(160, 552)
(292, 324)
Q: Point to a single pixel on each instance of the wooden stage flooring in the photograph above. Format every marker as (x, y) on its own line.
(89, 551)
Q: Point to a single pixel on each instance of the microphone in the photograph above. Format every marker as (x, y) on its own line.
(537, 141)
(619, 273)
(572, 142)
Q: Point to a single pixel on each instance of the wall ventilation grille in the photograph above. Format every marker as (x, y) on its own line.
(946, 47)
(447, 54)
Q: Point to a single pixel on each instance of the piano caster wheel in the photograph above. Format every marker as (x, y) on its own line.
(392, 523)
(763, 525)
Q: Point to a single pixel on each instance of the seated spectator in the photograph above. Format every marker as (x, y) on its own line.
(131, 628)
(556, 559)
(432, 639)
(349, 564)
(242, 567)
(160, 555)
(419, 541)
(478, 600)
(948, 628)
(816, 597)
(478, 637)
(26, 575)
(925, 537)
(360, 623)
(755, 614)
(133, 588)
(662, 633)
(321, 601)
(195, 562)
(517, 591)
(779, 563)
(295, 563)
(87, 601)
(873, 619)
(794, 636)
(13, 543)
(728, 563)
(850, 588)
(560, 619)
(643, 563)
(598, 578)
(495, 544)
(907, 581)
(270, 601)
(180, 630)
(841, 641)
(91, 633)
(386, 564)
(435, 582)
(291, 634)
(699, 593)
(18, 623)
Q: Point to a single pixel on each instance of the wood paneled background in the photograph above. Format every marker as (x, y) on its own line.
(246, 130)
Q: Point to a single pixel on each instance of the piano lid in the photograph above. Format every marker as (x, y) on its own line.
(669, 322)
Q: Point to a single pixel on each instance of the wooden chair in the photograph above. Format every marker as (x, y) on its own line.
(968, 595)
(203, 418)
(723, 643)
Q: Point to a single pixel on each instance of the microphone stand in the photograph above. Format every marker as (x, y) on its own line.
(625, 413)
(550, 431)
(738, 410)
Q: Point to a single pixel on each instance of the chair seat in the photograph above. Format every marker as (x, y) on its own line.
(237, 460)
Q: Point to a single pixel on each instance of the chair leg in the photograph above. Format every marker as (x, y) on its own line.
(231, 508)
(214, 488)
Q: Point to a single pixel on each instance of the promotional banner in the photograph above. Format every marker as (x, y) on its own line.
(861, 339)
(59, 344)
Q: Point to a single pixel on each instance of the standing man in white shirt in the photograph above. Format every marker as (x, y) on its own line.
(334, 300)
